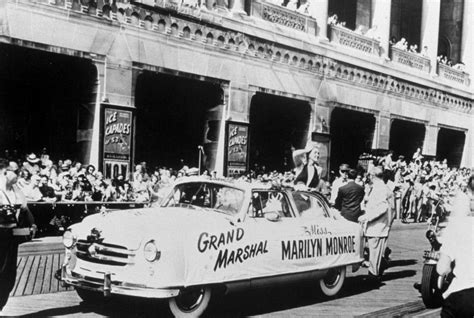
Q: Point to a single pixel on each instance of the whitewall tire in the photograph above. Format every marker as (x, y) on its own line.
(191, 302)
(332, 282)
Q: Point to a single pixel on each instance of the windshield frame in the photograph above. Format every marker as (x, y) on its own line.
(215, 186)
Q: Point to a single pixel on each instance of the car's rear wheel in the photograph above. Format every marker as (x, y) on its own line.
(332, 282)
(90, 296)
(191, 302)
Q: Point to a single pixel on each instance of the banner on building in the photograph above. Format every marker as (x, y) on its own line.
(117, 139)
(236, 148)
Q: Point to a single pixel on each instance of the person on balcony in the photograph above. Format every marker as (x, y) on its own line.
(424, 51)
(304, 7)
(373, 33)
(292, 5)
(402, 44)
(333, 19)
(460, 67)
(414, 48)
(190, 3)
(360, 29)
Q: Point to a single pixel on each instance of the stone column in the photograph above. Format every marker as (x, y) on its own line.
(238, 6)
(210, 4)
(468, 151)
(381, 137)
(467, 43)
(119, 83)
(430, 29)
(381, 10)
(319, 121)
(364, 13)
(319, 131)
(431, 139)
(222, 5)
(319, 11)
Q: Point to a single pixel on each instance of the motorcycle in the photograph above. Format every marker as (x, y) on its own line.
(432, 284)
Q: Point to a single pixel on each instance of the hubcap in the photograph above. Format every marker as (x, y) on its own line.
(332, 277)
(190, 299)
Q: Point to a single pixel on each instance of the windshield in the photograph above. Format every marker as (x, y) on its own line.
(219, 197)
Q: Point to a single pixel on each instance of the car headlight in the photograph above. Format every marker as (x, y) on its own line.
(68, 239)
(150, 251)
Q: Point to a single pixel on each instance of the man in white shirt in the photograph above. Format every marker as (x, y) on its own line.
(339, 182)
(458, 247)
(376, 222)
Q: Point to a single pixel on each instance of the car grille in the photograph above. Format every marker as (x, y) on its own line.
(103, 253)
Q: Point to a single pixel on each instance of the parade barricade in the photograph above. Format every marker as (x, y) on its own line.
(52, 218)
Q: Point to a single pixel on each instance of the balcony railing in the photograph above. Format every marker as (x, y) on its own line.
(282, 16)
(412, 60)
(346, 37)
(451, 74)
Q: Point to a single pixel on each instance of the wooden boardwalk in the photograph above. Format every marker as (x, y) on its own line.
(35, 274)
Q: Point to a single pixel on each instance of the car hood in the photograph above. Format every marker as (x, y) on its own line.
(129, 228)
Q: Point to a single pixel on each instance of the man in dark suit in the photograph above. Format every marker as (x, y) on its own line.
(349, 198)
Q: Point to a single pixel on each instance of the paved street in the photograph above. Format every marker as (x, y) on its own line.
(396, 297)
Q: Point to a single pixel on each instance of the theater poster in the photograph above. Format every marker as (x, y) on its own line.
(117, 137)
(236, 148)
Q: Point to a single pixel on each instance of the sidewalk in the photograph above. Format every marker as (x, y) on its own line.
(42, 245)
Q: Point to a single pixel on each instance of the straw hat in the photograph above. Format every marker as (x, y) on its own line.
(31, 158)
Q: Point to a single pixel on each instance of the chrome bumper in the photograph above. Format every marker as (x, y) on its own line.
(108, 287)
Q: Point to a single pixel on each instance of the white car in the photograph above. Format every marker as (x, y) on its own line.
(211, 235)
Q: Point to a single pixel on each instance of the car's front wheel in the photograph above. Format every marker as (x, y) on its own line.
(191, 302)
(332, 282)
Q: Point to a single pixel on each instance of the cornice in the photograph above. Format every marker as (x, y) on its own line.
(208, 30)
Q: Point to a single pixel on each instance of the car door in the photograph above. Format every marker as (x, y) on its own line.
(333, 241)
(270, 219)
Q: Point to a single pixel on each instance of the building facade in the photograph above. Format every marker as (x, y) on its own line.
(232, 84)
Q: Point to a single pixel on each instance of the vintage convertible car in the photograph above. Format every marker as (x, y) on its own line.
(208, 236)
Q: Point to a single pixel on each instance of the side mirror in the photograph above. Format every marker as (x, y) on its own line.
(272, 216)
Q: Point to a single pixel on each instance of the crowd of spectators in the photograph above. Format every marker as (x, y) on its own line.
(43, 180)
(403, 45)
(305, 7)
(418, 183)
(442, 59)
(422, 186)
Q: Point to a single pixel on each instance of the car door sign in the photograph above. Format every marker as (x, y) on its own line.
(228, 256)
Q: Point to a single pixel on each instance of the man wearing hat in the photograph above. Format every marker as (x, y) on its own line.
(31, 164)
(376, 223)
(339, 182)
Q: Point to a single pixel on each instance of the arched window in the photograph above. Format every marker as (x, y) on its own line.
(444, 47)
